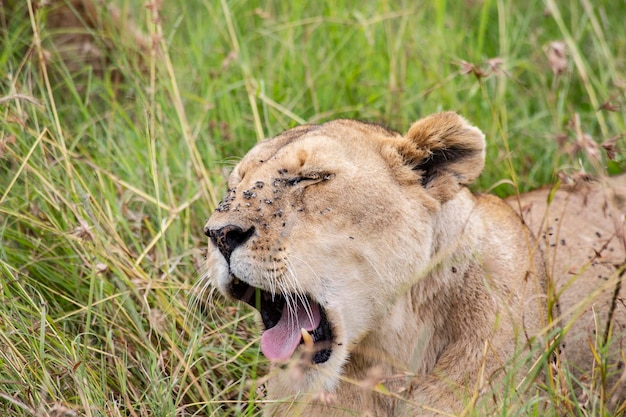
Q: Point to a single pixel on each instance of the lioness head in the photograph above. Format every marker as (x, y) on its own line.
(324, 226)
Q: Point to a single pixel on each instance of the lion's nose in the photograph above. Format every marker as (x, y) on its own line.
(227, 238)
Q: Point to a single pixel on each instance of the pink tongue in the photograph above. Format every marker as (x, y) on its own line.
(279, 342)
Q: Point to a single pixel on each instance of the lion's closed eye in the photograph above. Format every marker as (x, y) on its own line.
(309, 178)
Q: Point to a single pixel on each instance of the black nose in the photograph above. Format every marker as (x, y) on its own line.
(228, 238)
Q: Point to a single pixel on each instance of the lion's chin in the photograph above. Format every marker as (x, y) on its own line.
(290, 321)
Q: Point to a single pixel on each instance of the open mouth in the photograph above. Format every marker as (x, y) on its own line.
(284, 322)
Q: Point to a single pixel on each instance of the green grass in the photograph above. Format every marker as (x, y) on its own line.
(106, 182)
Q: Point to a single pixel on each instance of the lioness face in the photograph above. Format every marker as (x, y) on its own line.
(298, 236)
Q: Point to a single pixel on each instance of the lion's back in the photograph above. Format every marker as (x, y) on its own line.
(581, 230)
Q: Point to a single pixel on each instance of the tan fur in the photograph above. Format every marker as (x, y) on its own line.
(431, 290)
(581, 232)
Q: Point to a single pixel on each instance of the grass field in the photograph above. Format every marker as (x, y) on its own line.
(107, 178)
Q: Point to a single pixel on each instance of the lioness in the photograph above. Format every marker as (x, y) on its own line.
(370, 261)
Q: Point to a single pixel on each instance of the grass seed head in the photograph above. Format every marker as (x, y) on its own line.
(557, 57)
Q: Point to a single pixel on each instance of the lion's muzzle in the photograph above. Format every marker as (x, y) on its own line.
(228, 238)
(285, 316)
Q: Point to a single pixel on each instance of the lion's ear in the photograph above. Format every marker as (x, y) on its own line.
(446, 150)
